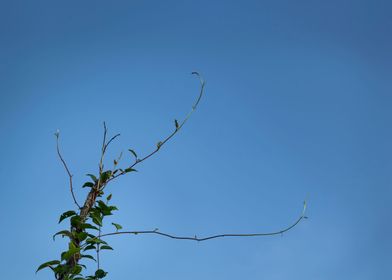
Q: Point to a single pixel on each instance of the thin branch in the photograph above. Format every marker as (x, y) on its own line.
(98, 248)
(160, 144)
(57, 134)
(105, 130)
(105, 145)
(111, 139)
(195, 238)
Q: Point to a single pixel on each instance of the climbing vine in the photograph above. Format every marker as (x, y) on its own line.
(85, 239)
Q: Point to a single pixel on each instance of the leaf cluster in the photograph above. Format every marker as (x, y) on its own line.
(83, 237)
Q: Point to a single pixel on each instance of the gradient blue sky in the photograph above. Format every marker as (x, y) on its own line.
(298, 104)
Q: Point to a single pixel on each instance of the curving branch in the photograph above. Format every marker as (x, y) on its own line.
(195, 238)
(178, 126)
(57, 134)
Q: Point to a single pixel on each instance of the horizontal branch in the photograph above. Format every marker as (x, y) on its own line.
(195, 238)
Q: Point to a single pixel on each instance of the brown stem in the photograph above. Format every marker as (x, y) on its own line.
(57, 134)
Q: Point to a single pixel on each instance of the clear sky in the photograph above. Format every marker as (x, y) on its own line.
(297, 105)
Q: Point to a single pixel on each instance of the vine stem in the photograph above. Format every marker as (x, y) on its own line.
(57, 134)
(177, 129)
(195, 238)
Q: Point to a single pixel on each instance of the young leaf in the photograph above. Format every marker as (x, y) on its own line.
(67, 215)
(97, 219)
(109, 197)
(88, 257)
(159, 144)
(90, 247)
(86, 226)
(88, 184)
(133, 152)
(105, 176)
(95, 240)
(92, 177)
(47, 264)
(112, 208)
(118, 227)
(129, 169)
(63, 233)
(103, 208)
(106, 247)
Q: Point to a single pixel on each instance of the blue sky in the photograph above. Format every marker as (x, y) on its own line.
(297, 105)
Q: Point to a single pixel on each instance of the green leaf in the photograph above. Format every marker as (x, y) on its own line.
(129, 169)
(47, 264)
(109, 197)
(72, 251)
(105, 176)
(96, 217)
(60, 268)
(76, 269)
(66, 215)
(100, 273)
(82, 236)
(75, 221)
(90, 247)
(92, 177)
(97, 221)
(118, 227)
(133, 152)
(112, 208)
(88, 257)
(159, 144)
(88, 226)
(88, 184)
(63, 233)
(102, 205)
(95, 240)
(106, 247)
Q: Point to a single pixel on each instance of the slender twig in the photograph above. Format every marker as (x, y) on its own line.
(57, 134)
(180, 125)
(98, 248)
(111, 139)
(105, 145)
(105, 130)
(195, 238)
